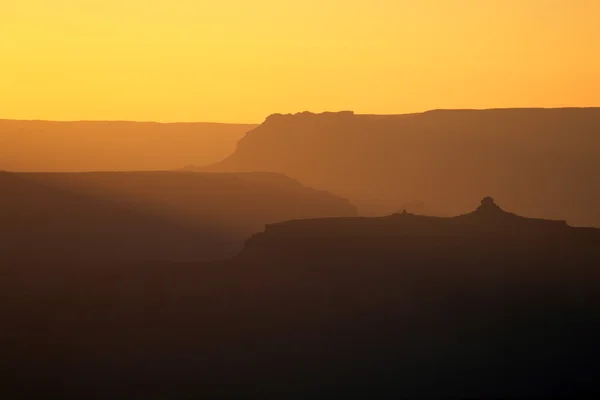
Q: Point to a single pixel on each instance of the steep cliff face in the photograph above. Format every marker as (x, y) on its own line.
(539, 162)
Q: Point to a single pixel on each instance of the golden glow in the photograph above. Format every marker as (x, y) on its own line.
(240, 60)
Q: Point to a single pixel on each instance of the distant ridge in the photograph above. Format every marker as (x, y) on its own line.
(121, 121)
(539, 161)
(298, 236)
(349, 113)
(149, 215)
(75, 146)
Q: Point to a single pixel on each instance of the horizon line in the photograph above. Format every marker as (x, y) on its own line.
(279, 113)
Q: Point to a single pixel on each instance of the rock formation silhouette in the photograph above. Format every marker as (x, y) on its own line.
(540, 162)
(487, 304)
(488, 206)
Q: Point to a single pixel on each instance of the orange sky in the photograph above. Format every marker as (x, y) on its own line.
(240, 60)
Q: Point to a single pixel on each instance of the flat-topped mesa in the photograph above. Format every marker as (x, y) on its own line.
(307, 115)
(486, 227)
(362, 157)
(488, 213)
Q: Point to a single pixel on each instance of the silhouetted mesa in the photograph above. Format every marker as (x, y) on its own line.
(541, 162)
(395, 234)
(486, 304)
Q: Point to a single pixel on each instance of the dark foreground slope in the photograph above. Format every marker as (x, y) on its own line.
(147, 215)
(484, 305)
(113, 145)
(538, 162)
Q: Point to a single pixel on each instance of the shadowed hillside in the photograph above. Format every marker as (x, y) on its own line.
(113, 145)
(147, 215)
(487, 304)
(539, 162)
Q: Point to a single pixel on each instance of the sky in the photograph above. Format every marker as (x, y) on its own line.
(241, 60)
